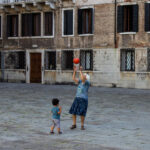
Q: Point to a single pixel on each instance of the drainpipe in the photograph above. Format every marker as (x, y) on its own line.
(115, 24)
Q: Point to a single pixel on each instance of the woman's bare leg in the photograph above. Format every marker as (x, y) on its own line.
(82, 121)
(74, 119)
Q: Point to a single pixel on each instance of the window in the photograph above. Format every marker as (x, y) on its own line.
(148, 60)
(67, 60)
(127, 60)
(68, 22)
(12, 25)
(15, 60)
(31, 24)
(86, 59)
(127, 20)
(50, 61)
(48, 23)
(85, 21)
(0, 60)
(0, 26)
(147, 17)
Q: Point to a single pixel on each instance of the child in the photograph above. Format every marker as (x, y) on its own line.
(56, 111)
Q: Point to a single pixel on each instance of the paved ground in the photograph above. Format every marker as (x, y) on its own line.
(117, 119)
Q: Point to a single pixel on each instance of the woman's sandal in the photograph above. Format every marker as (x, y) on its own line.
(51, 132)
(73, 127)
(60, 132)
(82, 128)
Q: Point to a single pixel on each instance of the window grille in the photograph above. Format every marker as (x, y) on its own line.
(148, 59)
(0, 60)
(67, 60)
(0, 26)
(128, 60)
(50, 60)
(86, 59)
(15, 60)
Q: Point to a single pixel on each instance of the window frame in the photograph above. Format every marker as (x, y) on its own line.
(63, 35)
(127, 4)
(91, 59)
(1, 26)
(13, 37)
(127, 50)
(62, 67)
(48, 51)
(0, 60)
(43, 24)
(148, 60)
(16, 51)
(88, 34)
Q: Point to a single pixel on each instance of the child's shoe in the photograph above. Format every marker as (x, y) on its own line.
(82, 128)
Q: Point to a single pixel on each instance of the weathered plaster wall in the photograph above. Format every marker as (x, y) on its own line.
(14, 76)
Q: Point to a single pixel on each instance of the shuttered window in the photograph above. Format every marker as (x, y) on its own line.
(31, 24)
(127, 60)
(49, 23)
(67, 60)
(12, 25)
(68, 22)
(86, 59)
(50, 60)
(127, 18)
(147, 17)
(85, 21)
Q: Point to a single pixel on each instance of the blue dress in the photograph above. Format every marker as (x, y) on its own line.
(80, 104)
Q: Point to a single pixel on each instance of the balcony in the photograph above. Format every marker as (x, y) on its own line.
(14, 4)
(23, 1)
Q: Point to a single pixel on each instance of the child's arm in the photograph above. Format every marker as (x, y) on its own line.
(74, 75)
(60, 109)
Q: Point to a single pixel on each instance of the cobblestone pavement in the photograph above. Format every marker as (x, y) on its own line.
(117, 118)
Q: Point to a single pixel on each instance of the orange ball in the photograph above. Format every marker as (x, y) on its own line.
(76, 60)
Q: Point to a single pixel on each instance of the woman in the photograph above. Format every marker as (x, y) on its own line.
(80, 104)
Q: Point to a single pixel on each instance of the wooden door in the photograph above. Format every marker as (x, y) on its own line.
(35, 68)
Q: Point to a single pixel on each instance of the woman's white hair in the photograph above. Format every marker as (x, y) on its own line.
(87, 76)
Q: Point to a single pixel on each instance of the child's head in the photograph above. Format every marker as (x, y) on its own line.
(55, 101)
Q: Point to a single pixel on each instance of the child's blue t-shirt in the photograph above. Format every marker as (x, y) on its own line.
(82, 90)
(55, 114)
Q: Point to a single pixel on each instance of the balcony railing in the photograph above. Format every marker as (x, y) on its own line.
(21, 1)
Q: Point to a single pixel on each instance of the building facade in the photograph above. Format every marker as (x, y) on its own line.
(39, 40)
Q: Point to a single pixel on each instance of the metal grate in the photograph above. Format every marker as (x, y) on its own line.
(148, 59)
(67, 60)
(127, 60)
(50, 63)
(86, 58)
(0, 60)
(15, 60)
